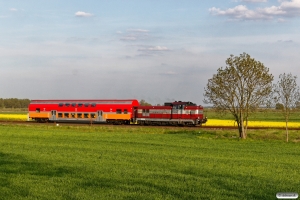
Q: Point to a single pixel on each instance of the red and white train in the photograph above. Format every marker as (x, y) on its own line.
(116, 112)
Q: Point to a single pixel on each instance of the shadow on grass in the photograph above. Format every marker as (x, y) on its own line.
(247, 186)
(236, 186)
(15, 166)
(138, 188)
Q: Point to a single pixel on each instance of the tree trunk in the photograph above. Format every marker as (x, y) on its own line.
(241, 129)
(243, 136)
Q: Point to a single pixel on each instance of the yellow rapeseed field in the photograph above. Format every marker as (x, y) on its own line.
(21, 117)
(218, 122)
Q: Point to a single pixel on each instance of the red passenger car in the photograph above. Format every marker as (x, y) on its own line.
(98, 111)
(176, 113)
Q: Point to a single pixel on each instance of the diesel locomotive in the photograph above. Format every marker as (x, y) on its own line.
(126, 111)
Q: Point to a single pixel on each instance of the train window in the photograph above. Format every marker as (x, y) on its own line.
(86, 115)
(66, 115)
(60, 114)
(73, 104)
(80, 105)
(145, 112)
(86, 104)
(73, 115)
(60, 105)
(93, 105)
(93, 115)
(125, 111)
(79, 115)
(119, 111)
(38, 110)
(67, 104)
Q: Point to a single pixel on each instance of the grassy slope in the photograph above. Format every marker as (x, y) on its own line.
(141, 163)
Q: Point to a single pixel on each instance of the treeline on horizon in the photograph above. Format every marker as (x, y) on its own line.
(24, 103)
(14, 103)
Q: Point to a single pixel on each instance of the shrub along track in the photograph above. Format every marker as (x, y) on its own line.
(34, 123)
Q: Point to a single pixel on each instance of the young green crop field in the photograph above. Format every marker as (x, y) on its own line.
(260, 115)
(116, 162)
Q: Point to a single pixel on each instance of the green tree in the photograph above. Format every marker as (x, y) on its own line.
(240, 88)
(144, 103)
(287, 93)
(279, 106)
(14, 103)
(1, 103)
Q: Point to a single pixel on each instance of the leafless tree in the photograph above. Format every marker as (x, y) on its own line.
(287, 93)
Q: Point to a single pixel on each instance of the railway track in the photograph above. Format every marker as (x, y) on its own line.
(33, 123)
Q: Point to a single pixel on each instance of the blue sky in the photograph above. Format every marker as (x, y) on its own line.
(153, 50)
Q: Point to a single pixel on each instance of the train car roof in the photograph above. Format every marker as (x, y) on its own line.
(100, 101)
(154, 107)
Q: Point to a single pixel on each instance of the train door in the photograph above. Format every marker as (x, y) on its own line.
(100, 116)
(146, 113)
(177, 111)
(53, 115)
(174, 112)
(134, 114)
(180, 111)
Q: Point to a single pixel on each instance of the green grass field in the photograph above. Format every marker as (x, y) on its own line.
(104, 162)
(260, 115)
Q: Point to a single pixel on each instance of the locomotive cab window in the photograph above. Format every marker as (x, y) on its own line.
(37, 110)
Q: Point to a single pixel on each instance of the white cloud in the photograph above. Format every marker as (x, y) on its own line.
(13, 9)
(83, 14)
(241, 12)
(138, 30)
(154, 48)
(238, 12)
(129, 38)
(134, 34)
(254, 1)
